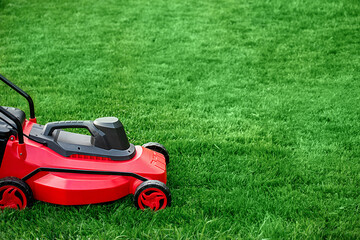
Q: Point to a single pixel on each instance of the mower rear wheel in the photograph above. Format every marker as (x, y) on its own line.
(157, 147)
(15, 193)
(152, 194)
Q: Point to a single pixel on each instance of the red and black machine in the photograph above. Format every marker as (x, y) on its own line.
(48, 163)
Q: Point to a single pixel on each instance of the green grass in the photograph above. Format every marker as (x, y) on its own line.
(256, 101)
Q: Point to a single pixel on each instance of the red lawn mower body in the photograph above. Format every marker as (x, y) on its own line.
(51, 166)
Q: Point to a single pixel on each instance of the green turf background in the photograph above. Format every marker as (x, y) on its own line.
(256, 101)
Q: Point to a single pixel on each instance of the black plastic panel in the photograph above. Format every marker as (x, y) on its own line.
(67, 143)
(4, 136)
(19, 114)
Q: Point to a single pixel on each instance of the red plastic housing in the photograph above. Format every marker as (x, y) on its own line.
(77, 188)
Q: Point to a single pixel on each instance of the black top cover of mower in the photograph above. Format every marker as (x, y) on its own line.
(108, 138)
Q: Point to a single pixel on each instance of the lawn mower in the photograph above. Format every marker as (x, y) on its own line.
(49, 164)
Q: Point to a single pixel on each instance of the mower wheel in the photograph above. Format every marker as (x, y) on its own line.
(15, 193)
(152, 194)
(157, 147)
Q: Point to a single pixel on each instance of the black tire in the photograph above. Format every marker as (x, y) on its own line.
(157, 147)
(158, 192)
(15, 193)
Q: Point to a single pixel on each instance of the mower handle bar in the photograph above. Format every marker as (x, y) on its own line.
(50, 127)
(16, 121)
(89, 125)
(22, 93)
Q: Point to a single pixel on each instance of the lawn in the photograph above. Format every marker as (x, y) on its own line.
(256, 101)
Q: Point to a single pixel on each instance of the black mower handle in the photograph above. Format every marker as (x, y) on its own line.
(50, 127)
(22, 93)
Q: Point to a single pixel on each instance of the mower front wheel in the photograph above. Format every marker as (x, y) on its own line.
(152, 194)
(15, 194)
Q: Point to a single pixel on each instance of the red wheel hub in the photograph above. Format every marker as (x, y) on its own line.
(12, 197)
(152, 198)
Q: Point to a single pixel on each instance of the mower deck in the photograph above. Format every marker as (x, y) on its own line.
(47, 163)
(78, 179)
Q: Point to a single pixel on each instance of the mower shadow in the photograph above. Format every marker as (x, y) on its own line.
(123, 202)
